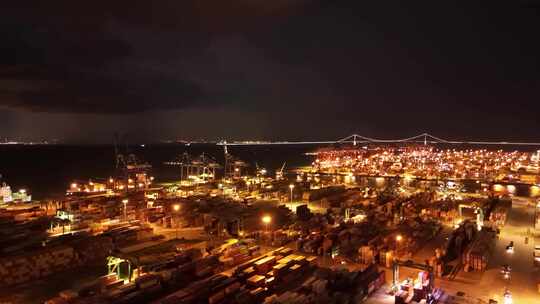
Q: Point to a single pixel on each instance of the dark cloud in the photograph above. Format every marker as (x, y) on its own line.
(50, 68)
(99, 90)
(118, 57)
(382, 67)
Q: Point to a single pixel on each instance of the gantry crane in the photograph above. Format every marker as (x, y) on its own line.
(129, 168)
(202, 166)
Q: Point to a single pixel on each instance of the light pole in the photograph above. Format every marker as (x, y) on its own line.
(220, 187)
(398, 239)
(291, 187)
(176, 208)
(125, 202)
(266, 220)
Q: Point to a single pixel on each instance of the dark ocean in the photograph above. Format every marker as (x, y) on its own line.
(47, 170)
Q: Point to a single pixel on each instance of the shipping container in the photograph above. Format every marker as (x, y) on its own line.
(256, 281)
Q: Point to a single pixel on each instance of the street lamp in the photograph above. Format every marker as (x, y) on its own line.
(176, 208)
(266, 220)
(398, 239)
(125, 201)
(291, 187)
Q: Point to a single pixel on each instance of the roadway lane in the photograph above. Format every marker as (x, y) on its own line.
(522, 282)
(491, 284)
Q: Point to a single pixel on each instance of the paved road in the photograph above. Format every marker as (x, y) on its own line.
(490, 284)
(522, 283)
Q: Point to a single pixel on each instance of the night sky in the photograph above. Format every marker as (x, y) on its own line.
(79, 71)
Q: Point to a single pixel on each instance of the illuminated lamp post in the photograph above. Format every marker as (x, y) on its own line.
(291, 187)
(266, 220)
(398, 240)
(176, 208)
(125, 201)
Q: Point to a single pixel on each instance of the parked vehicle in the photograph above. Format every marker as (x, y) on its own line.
(510, 247)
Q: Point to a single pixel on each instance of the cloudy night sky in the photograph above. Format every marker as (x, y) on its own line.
(79, 71)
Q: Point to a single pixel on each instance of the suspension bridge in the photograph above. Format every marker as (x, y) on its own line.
(356, 139)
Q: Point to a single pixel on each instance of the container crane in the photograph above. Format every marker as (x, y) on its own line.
(279, 173)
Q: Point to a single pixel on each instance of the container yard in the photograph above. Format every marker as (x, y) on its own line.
(242, 236)
(269, 152)
(281, 277)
